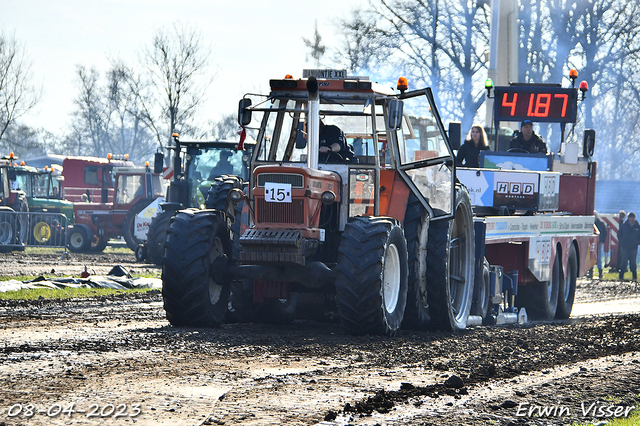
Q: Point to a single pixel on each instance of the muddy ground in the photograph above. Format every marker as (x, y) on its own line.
(116, 360)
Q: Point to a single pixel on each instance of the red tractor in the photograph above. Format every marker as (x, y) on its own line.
(97, 222)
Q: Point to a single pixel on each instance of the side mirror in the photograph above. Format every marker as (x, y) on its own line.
(301, 140)
(158, 162)
(394, 115)
(455, 135)
(589, 143)
(11, 173)
(244, 115)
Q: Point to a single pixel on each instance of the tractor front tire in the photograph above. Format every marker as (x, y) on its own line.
(156, 237)
(194, 289)
(78, 240)
(371, 287)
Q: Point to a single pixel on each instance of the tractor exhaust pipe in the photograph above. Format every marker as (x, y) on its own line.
(313, 124)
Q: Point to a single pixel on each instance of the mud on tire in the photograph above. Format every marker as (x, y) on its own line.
(451, 265)
(194, 290)
(371, 287)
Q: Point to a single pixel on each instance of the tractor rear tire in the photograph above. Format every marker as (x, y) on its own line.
(7, 229)
(79, 241)
(194, 289)
(156, 237)
(128, 226)
(451, 265)
(22, 223)
(371, 287)
(541, 299)
(416, 230)
(98, 244)
(567, 290)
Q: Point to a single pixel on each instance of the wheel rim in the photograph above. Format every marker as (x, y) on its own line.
(215, 289)
(391, 278)
(42, 232)
(6, 233)
(76, 240)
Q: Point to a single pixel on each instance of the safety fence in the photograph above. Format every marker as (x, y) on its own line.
(32, 229)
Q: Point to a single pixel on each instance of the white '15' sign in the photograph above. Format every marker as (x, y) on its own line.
(277, 192)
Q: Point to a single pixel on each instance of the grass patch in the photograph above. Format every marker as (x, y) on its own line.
(632, 420)
(64, 293)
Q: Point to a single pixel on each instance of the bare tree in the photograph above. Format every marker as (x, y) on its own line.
(426, 40)
(108, 118)
(174, 83)
(17, 95)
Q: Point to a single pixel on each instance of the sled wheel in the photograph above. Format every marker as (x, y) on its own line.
(450, 266)
(541, 299)
(416, 230)
(371, 287)
(567, 290)
(194, 289)
(482, 297)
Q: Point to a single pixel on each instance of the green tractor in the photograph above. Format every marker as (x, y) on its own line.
(43, 193)
(198, 169)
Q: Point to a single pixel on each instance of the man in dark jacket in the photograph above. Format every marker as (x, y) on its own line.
(628, 245)
(332, 139)
(602, 229)
(528, 140)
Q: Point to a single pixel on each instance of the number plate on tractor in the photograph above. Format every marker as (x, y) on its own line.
(277, 192)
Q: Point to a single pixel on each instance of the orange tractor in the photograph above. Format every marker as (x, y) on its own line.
(384, 236)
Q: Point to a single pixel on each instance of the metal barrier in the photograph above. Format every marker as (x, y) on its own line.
(33, 229)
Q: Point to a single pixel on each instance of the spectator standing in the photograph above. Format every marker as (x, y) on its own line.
(469, 152)
(602, 228)
(628, 245)
(621, 217)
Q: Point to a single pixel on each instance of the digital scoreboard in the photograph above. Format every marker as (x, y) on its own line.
(543, 104)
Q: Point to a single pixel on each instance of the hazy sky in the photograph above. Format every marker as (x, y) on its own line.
(251, 41)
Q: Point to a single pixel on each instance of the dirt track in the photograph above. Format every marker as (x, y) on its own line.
(121, 351)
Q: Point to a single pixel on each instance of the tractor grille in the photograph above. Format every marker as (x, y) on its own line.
(280, 212)
(296, 181)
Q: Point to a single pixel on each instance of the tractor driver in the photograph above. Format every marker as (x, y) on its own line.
(332, 139)
(223, 167)
(528, 140)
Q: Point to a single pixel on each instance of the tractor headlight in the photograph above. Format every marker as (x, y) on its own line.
(236, 195)
(328, 198)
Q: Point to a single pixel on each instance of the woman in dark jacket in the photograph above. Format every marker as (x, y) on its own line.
(469, 152)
